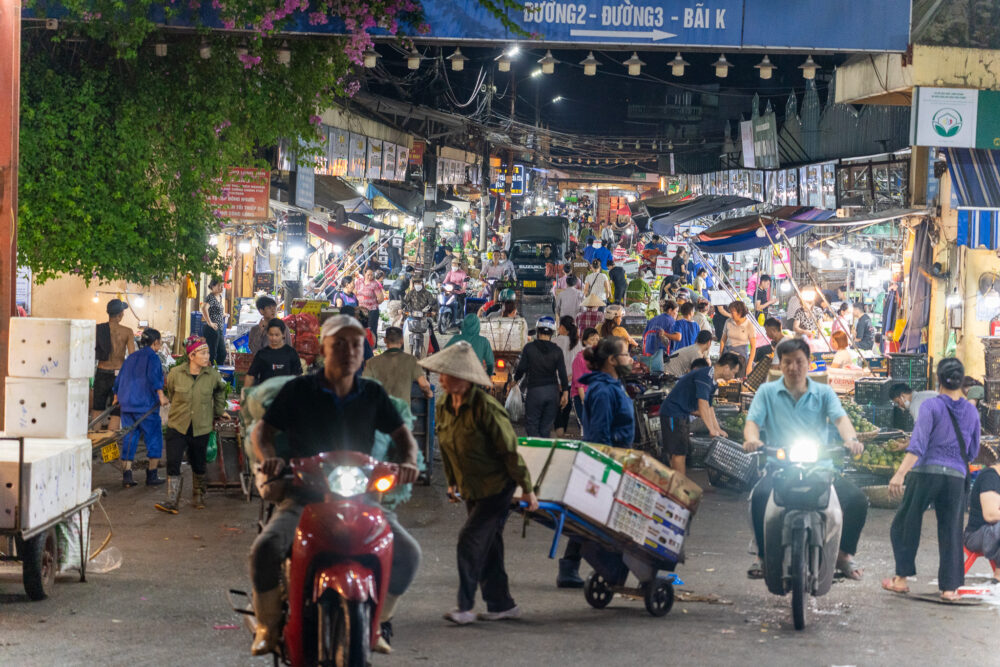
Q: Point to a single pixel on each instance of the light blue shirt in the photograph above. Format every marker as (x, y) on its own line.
(785, 420)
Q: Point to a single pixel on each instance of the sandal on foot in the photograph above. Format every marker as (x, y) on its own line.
(849, 569)
(887, 585)
(756, 571)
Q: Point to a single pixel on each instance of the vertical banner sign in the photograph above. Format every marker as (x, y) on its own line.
(765, 141)
(792, 187)
(746, 139)
(296, 225)
(389, 161)
(305, 186)
(417, 154)
(603, 206)
(830, 186)
(322, 156)
(357, 156)
(244, 194)
(338, 150)
(402, 162)
(374, 159)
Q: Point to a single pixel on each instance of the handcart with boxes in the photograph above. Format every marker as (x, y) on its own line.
(630, 513)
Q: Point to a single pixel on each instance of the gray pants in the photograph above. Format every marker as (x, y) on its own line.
(985, 540)
(271, 547)
(541, 407)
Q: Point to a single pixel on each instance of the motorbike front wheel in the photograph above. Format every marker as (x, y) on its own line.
(799, 565)
(344, 633)
(445, 321)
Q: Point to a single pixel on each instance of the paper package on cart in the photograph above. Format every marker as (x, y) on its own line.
(549, 462)
(51, 480)
(592, 484)
(663, 539)
(506, 334)
(628, 521)
(651, 501)
(641, 464)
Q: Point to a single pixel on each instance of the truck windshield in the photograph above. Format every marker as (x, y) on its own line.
(531, 250)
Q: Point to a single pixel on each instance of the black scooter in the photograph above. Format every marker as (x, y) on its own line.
(802, 525)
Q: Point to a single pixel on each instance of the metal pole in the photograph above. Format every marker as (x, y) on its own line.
(484, 173)
(10, 87)
(508, 180)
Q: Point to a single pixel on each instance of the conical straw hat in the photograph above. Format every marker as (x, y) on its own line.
(593, 300)
(460, 361)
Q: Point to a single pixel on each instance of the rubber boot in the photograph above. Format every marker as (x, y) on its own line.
(569, 574)
(385, 636)
(198, 491)
(127, 480)
(153, 479)
(267, 609)
(174, 485)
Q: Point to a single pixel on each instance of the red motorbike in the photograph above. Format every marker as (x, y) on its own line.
(337, 574)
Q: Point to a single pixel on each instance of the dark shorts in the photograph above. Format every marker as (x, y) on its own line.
(104, 382)
(676, 434)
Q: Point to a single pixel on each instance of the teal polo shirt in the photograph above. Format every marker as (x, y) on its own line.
(785, 420)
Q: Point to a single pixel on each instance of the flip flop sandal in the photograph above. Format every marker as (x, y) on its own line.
(850, 570)
(756, 571)
(887, 585)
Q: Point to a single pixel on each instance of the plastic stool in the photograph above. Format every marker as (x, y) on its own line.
(971, 557)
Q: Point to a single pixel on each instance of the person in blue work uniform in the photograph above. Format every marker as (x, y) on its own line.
(608, 418)
(692, 395)
(138, 389)
(592, 246)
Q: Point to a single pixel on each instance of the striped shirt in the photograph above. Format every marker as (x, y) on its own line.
(589, 318)
(368, 293)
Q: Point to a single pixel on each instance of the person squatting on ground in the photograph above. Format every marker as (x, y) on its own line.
(197, 395)
(483, 468)
(332, 409)
(138, 389)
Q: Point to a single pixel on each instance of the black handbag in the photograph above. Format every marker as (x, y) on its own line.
(962, 451)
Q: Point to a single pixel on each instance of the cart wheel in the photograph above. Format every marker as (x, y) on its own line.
(597, 591)
(39, 561)
(659, 596)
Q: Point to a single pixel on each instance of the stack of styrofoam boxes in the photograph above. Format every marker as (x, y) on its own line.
(575, 474)
(50, 365)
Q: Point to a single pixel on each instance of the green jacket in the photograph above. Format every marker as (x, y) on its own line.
(638, 291)
(479, 446)
(480, 344)
(194, 400)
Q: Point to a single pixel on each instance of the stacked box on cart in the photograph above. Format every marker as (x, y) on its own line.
(663, 539)
(592, 484)
(51, 474)
(549, 462)
(628, 521)
(670, 482)
(46, 408)
(639, 493)
(55, 349)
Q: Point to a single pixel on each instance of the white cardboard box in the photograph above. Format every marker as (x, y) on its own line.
(592, 484)
(80, 460)
(667, 511)
(536, 452)
(663, 539)
(51, 485)
(51, 348)
(46, 408)
(628, 521)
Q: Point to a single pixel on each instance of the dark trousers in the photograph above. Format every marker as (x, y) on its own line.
(853, 503)
(216, 344)
(947, 492)
(985, 540)
(541, 405)
(373, 324)
(196, 448)
(480, 553)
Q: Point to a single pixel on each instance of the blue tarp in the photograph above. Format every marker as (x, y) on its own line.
(975, 177)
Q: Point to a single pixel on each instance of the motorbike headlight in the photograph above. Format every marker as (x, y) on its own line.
(804, 451)
(347, 481)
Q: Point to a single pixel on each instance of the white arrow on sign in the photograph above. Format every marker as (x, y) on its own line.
(654, 35)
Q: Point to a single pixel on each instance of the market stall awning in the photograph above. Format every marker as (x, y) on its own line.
(403, 198)
(979, 229)
(340, 235)
(692, 209)
(750, 240)
(975, 177)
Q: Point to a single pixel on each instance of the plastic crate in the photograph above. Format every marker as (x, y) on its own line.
(909, 368)
(758, 374)
(865, 478)
(728, 458)
(880, 415)
(730, 393)
(992, 390)
(698, 452)
(746, 398)
(991, 420)
(992, 363)
(873, 391)
(242, 361)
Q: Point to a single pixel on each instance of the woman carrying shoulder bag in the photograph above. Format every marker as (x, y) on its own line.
(945, 438)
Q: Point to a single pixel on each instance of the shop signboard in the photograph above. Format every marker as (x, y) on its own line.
(338, 151)
(417, 154)
(357, 154)
(389, 161)
(517, 185)
(402, 162)
(374, 170)
(296, 226)
(955, 118)
(305, 186)
(244, 194)
(263, 282)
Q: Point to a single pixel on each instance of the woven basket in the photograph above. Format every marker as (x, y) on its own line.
(878, 496)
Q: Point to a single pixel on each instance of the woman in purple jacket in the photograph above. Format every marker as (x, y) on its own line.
(945, 438)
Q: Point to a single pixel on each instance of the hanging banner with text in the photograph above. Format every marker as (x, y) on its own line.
(244, 194)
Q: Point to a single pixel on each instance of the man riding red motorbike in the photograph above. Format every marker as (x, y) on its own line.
(331, 410)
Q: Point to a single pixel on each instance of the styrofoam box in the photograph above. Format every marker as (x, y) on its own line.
(46, 408)
(535, 452)
(51, 348)
(506, 334)
(81, 458)
(51, 483)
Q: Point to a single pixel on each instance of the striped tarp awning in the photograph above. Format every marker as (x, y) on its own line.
(979, 228)
(975, 177)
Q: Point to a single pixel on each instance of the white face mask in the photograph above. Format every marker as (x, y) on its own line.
(418, 287)
(906, 403)
(595, 245)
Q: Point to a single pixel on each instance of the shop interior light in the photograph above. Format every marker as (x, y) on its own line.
(213, 240)
(503, 62)
(96, 298)
(360, 189)
(413, 59)
(371, 57)
(677, 65)
(590, 64)
(634, 65)
(457, 60)
(284, 54)
(954, 299)
(557, 98)
(139, 302)
(244, 246)
(809, 68)
(293, 266)
(670, 145)
(637, 144)
(274, 246)
(548, 63)
(394, 218)
(205, 50)
(786, 287)
(160, 49)
(536, 73)
(722, 67)
(466, 227)
(837, 262)
(337, 248)
(296, 252)
(766, 67)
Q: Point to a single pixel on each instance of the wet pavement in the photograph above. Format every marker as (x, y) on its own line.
(165, 605)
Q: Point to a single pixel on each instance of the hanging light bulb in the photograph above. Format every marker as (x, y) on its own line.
(205, 50)
(634, 65)
(670, 145)
(620, 144)
(370, 57)
(677, 65)
(637, 144)
(721, 67)
(213, 240)
(413, 59)
(809, 68)
(160, 49)
(284, 54)
(590, 64)
(548, 62)
(503, 62)
(96, 298)
(139, 302)
(457, 60)
(274, 246)
(766, 67)
(243, 246)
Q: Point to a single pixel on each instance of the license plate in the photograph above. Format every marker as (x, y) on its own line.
(529, 283)
(110, 452)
